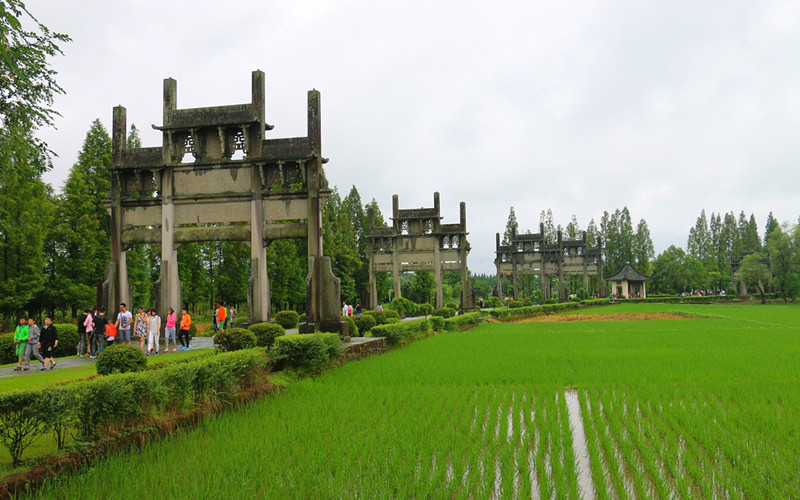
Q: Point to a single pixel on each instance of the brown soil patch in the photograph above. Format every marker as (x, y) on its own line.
(561, 318)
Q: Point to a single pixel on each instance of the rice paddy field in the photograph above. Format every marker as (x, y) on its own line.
(622, 401)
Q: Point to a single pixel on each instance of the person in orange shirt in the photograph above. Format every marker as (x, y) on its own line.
(183, 333)
(222, 317)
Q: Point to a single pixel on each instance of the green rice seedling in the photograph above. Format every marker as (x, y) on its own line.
(596, 458)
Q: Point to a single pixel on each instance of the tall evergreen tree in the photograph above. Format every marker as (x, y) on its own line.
(750, 239)
(512, 227)
(699, 244)
(643, 250)
(550, 231)
(573, 228)
(25, 214)
(772, 224)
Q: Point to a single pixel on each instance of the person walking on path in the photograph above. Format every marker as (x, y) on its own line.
(222, 317)
(21, 341)
(186, 325)
(169, 331)
(88, 323)
(140, 327)
(153, 332)
(33, 345)
(81, 347)
(123, 324)
(231, 314)
(214, 317)
(98, 333)
(49, 342)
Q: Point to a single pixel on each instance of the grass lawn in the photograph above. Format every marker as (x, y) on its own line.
(702, 407)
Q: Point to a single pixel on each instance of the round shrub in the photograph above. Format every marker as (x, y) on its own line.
(7, 354)
(515, 304)
(302, 318)
(550, 301)
(437, 322)
(235, 339)
(391, 321)
(537, 296)
(378, 316)
(119, 358)
(403, 306)
(445, 312)
(287, 319)
(452, 305)
(583, 294)
(266, 333)
(365, 322)
(424, 309)
(67, 339)
(493, 302)
(354, 331)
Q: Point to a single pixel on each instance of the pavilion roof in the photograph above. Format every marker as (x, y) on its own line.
(628, 273)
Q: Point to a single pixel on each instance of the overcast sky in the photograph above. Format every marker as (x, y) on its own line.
(667, 107)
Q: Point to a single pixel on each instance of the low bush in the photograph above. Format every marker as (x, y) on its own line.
(121, 358)
(86, 408)
(463, 321)
(235, 339)
(403, 306)
(302, 318)
(391, 321)
(530, 311)
(308, 350)
(583, 294)
(354, 330)
(516, 303)
(437, 323)
(403, 331)
(424, 309)
(493, 302)
(391, 314)
(537, 296)
(550, 301)
(452, 305)
(365, 322)
(7, 354)
(445, 312)
(595, 302)
(67, 339)
(287, 319)
(266, 333)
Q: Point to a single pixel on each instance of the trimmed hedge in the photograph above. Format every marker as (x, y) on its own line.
(88, 408)
(354, 331)
(287, 319)
(121, 358)
(550, 301)
(530, 311)
(381, 316)
(308, 350)
(452, 305)
(463, 321)
(403, 331)
(365, 322)
(403, 306)
(445, 312)
(707, 299)
(424, 309)
(514, 304)
(437, 323)
(235, 339)
(595, 302)
(266, 333)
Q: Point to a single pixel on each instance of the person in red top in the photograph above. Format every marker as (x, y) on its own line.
(183, 333)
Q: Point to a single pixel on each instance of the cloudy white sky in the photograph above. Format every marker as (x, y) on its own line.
(667, 107)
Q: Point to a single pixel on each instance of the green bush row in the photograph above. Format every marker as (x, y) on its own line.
(463, 321)
(595, 302)
(381, 317)
(85, 409)
(530, 311)
(406, 308)
(403, 331)
(364, 322)
(682, 300)
(308, 350)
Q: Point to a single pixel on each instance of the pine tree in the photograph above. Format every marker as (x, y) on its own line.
(512, 228)
(643, 247)
(573, 228)
(25, 214)
(772, 224)
(699, 244)
(751, 241)
(550, 231)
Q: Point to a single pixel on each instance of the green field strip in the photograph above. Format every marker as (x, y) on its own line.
(597, 461)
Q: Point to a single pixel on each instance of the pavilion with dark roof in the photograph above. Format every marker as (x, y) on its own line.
(629, 283)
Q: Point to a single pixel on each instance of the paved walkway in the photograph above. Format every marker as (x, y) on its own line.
(196, 343)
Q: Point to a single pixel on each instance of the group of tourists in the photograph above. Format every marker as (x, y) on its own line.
(94, 330)
(28, 340)
(347, 309)
(221, 315)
